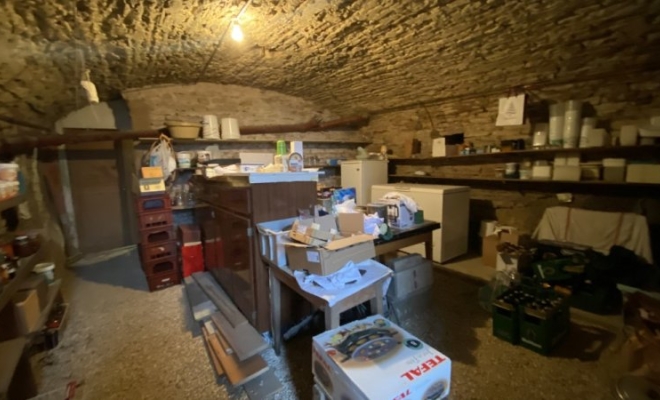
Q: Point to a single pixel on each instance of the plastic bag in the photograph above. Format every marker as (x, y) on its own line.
(161, 154)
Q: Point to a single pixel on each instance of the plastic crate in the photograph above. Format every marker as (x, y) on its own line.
(506, 322)
(541, 332)
(272, 236)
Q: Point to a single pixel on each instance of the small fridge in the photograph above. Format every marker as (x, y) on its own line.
(448, 205)
(362, 174)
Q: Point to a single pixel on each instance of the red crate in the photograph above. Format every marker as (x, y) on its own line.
(146, 204)
(158, 251)
(192, 259)
(155, 219)
(158, 235)
(161, 266)
(162, 281)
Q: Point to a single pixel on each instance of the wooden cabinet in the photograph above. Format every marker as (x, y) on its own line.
(230, 242)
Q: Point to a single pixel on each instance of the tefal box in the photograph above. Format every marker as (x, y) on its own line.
(330, 257)
(374, 358)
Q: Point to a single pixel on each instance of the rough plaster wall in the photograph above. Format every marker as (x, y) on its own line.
(346, 55)
(613, 103)
(151, 106)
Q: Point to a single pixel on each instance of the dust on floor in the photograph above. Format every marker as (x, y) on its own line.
(127, 343)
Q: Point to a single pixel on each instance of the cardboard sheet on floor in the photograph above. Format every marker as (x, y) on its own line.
(217, 366)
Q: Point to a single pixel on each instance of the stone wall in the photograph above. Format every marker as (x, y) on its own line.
(151, 106)
(613, 103)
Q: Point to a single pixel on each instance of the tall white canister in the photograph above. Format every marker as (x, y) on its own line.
(210, 128)
(572, 123)
(230, 129)
(556, 126)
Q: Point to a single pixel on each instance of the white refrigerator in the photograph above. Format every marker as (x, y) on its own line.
(448, 205)
(362, 174)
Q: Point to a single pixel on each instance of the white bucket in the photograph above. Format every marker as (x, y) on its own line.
(572, 122)
(46, 269)
(210, 128)
(183, 159)
(556, 128)
(230, 129)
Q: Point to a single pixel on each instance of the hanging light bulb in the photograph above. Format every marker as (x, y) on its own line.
(236, 32)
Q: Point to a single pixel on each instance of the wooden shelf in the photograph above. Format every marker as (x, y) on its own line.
(179, 208)
(25, 266)
(592, 187)
(587, 154)
(323, 166)
(13, 202)
(258, 141)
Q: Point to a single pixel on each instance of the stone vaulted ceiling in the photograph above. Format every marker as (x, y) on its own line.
(347, 55)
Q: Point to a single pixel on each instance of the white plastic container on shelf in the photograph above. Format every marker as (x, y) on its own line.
(587, 125)
(628, 135)
(572, 121)
(230, 129)
(210, 128)
(556, 126)
(540, 135)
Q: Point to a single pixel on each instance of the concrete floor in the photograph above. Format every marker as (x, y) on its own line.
(127, 343)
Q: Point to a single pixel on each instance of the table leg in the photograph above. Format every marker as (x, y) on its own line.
(275, 311)
(377, 302)
(428, 247)
(331, 318)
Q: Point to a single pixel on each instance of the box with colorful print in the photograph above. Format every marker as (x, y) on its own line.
(375, 359)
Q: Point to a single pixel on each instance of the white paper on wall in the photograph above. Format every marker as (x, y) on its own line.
(511, 110)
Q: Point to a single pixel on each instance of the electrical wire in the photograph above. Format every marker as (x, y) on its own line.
(219, 43)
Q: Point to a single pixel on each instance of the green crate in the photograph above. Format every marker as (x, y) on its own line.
(541, 331)
(506, 322)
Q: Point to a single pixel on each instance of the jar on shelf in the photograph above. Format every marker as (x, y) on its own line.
(22, 247)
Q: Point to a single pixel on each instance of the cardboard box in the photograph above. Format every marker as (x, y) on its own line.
(398, 215)
(331, 257)
(350, 223)
(489, 244)
(512, 262)
(38, 283)
(27, 311)
(315, 231)
(152, 172)
(374, 358)
(412, 275)
(442, 149)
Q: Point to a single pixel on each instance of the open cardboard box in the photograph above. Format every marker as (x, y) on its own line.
(330, 257)
(350, 223)
(489, 244)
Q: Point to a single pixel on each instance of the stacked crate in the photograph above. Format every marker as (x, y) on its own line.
(158, 249)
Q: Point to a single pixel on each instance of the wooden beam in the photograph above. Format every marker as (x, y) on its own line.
(244, 339)
(238, 372)
(26, 143)
(220, 299)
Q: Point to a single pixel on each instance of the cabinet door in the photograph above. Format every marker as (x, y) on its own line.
(237, 262)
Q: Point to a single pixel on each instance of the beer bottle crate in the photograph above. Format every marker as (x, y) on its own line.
(506, 322)
(542, 331)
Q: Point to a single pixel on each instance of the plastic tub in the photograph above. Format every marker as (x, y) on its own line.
(183, 130)
(184, 159)
(9, 172)
(46, 269)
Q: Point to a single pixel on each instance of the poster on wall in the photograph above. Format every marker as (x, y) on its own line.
(511, 110)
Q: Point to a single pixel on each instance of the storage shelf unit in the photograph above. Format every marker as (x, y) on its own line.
(600, 187)
(258, 141)
(53, 292)
(13, 202)
(587, 154)
(25, 266)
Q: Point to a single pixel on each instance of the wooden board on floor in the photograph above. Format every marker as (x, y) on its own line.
(238, 372)
(263, 386)
(217, 366)
(200, 305)
(220, 299)
(244, 339)
(212, 330)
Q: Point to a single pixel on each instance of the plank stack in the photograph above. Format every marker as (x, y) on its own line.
(234, 346)
(158, 249)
